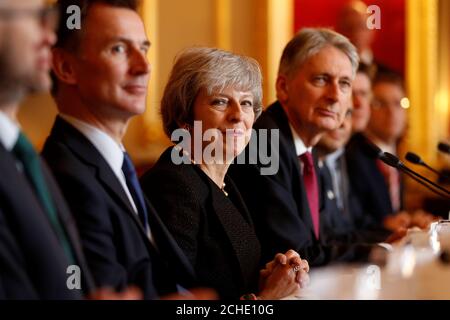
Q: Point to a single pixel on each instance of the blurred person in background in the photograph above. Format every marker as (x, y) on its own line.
(378, 186)
(352, 23)
(361, 95)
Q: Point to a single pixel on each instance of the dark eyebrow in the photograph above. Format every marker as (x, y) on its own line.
(145, 43)
(328, 75)
(347, 78)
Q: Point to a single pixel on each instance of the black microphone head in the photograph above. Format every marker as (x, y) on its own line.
(372, 150)
(444, 147)
(390, 159)
(414, 158)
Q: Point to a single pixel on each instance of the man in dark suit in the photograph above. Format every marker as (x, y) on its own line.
(358, 153)
(335, 189)
(348, 220)
(39, 244)
(101, 76)
(377, 185)
(314, 92)
(365, 169)
(352, 218)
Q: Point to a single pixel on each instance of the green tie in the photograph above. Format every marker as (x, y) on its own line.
(24, 151)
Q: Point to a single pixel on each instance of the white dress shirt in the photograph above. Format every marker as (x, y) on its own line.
(111, 151)
(300, 147)
(9, 131)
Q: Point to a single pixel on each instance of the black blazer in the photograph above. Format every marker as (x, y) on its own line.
(215, 231)
(278, 203)
(33, 264)
(367, 181)
(117, 248)
(350, 224)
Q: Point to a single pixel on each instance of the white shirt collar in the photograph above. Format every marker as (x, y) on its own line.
(9, 131)
(111, 151)
(300, 147)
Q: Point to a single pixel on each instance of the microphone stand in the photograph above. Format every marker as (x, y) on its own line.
(393, 161)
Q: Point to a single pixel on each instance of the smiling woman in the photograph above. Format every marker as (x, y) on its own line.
(224, 94)
(228, 116)
(199, 203)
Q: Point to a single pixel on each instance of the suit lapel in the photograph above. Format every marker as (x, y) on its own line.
(34, 232)
(238, 230)
(279, 116)
(62, 210)
(377, 178)
(167, 245)
(380, 184)
(86, 152)
(69, 225)
(19, 183)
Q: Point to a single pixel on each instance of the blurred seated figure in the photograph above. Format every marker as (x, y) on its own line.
(210, 102)
(38, 237)
(346, 219)
(335, 187)
(361, 96)
(378, 186)
(352, 23)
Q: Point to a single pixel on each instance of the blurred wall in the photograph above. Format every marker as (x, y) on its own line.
(389, 42)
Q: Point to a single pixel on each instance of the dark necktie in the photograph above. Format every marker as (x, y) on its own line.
(392, 178)
(25, 153)
(312, 189)
(135, 190)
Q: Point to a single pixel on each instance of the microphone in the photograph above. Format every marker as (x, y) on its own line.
(372, 149)
(414, 158)
(393, 161)
(444, 147)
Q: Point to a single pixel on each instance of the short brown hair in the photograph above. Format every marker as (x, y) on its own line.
(69, 39)
(389, 77)
(368, 70)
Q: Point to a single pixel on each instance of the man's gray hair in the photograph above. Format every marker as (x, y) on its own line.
(211, 69)
(308, 42)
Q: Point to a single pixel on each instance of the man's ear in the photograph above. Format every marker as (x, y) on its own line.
(63, 66)
(282, 88)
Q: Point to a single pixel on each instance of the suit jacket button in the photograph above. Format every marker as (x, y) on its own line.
(330, 194)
